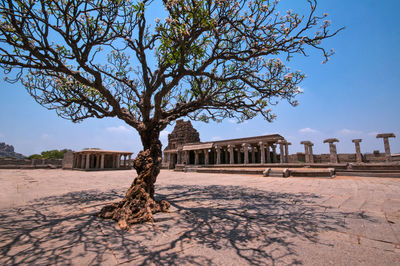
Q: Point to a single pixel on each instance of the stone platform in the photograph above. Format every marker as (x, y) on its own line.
(47, 217)
(299, 170)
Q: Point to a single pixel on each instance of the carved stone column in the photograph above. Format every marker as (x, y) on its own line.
(287, 151)
(281, 157)
(187, 157)
(358, 150)
(246, 152)
(332, 149)
(310, 153)
(306, 144)
(179, 157)
(262, 152)
(268, 151)
(118, 160)
(386, 137)
(218, 150)
(253, 154)
(274, 157)
(231, 156)
(196, 157)
(87, 161)
(206, 157)
(98, 161)
(102, 161)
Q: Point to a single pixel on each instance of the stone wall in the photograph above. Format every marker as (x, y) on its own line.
(68, 161)
(9, 163)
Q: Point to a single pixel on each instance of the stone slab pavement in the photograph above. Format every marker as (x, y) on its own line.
(48, 217)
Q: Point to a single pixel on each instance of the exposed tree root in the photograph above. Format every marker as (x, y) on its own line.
(138, 205)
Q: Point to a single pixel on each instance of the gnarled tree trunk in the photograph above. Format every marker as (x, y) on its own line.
(139, 204)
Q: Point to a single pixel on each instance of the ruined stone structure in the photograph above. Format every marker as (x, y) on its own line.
(183, 133)
(93, 159)
(386, 137)
(358, 150)
(308, 152)
(184, 147)
(332, 149)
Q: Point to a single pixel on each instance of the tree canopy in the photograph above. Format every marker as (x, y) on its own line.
(207, 59)
(51, 154)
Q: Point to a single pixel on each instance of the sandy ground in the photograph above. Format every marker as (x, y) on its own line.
(48, 217)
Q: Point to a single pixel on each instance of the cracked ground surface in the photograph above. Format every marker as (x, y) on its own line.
(48, 217)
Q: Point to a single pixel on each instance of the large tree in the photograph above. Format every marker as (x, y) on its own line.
(206, 59)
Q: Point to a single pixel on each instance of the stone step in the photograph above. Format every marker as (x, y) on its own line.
(382, 174)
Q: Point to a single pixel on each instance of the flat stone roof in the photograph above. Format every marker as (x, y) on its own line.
(210, 144)
(103, 151)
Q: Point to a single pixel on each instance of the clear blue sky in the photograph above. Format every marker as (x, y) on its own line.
(355, 95)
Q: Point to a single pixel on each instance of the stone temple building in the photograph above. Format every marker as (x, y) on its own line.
(184, 148)
(96, 159)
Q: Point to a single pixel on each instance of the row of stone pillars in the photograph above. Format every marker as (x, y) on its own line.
(83, 161)
(333, 157)
(229, 154)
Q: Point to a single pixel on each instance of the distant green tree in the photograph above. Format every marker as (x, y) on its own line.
(35, 156)
(51, 154)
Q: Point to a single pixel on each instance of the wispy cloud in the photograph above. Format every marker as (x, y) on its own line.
(308, 130)
(373, 134)
(120, 129)
(346, 131)
(216, 138)
(45, 136)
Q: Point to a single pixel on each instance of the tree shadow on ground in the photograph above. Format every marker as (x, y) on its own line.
(207, 225)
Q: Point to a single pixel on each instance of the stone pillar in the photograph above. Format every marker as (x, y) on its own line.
(187, 157)
(310, 153)
(218, 150)
(206, 157)
(226, 156)
(386, 137)
(118, 160)
(196, 157)
(358, 150)
(262, 152)
(130, 160)
(102, 161)
(239, 155)
(231, 155)
(281, 157)
(274, 153)
(332, 150)
(287, 151)
(306, 144)
(82, 161)
(98, 161)
(268, 150)
(179, 157)
(87, 161)
(246, 152)
(124, 160)
(253, 154)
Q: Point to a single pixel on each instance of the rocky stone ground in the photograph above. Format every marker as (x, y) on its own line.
(48, 217)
